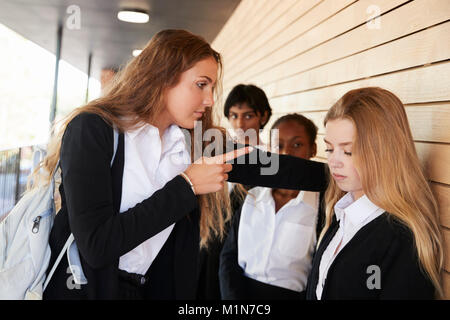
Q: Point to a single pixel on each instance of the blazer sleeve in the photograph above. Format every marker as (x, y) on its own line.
(272, 170)
(402, 277)
(231, 275)
(101, 234)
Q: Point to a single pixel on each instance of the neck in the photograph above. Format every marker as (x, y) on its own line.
(283, 196)
(357, 194)
(162, 123)
(285, 193)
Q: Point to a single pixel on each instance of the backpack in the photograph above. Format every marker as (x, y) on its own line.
(24, 248)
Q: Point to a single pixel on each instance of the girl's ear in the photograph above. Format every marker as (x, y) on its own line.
(264, 118)
(313, 150)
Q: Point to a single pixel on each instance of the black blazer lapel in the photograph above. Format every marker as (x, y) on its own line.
(313, 278)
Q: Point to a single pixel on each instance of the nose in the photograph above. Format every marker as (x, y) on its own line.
(283, 151)
(208, 99)
(240, 121)
(334, 161)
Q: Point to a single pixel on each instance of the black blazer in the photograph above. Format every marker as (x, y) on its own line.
(384, 242)
(234, 285)
(208, 279)
(91, 192)
(383, 246)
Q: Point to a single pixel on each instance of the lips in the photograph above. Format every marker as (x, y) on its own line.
(198, 114)
(338, 177)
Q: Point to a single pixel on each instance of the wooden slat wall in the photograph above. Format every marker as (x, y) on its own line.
(306, 54)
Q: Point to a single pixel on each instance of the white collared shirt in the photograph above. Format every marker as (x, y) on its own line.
(149, 165)
(277, 248)
(352, 216)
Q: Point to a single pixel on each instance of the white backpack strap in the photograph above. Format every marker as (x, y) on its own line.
(58, 260)
(70, 246)
(73, 257)
(116, 143)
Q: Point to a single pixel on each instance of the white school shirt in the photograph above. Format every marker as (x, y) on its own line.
(277, 248)
(352, 216)
(149, 165)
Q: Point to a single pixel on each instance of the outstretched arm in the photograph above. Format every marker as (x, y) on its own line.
(266, 169)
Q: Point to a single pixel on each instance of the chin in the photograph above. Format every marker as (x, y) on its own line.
(186, 124)
(343, 187)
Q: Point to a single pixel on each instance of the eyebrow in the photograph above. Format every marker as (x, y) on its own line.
(246, 112)
(290, 139)
(209, 79)
(340, 144)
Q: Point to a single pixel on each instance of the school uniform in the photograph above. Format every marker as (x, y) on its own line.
(208, 279)
(136, 224)
(268, 255)
(366, 254)
(382, 246)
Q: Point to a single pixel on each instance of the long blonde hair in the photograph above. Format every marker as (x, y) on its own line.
(136, 96)
(391, 174)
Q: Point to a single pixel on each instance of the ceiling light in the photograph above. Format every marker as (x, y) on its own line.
(136, 52)
(133, 15)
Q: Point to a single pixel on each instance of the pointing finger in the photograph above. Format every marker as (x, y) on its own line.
(230, 155)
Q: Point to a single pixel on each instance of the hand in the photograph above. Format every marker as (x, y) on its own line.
(208, 174)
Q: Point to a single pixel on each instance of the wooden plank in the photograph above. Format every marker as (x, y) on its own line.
(244, 30)
(412, 17)
(436, 160)
(430, 122)
(418, 85)
(337, 26)
(232, 27)
(267, 25)
(415, 50)
(246, 24)
(442, 195)
(323, 11)
(276, 27)
(224, 34)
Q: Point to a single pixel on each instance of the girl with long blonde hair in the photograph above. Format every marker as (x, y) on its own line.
(381, 238)
(138, 221)
(380, 172)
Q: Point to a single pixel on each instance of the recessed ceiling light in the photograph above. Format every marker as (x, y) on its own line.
(133, 15)
(136, 52)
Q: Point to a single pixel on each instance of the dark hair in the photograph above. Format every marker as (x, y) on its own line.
(251, 95)
(310, 127)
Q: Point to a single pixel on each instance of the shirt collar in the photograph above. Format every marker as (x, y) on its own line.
(173, 137)
(174, 140)
(142, 128)
(310, 198)
(355, 211)
(261, 194)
